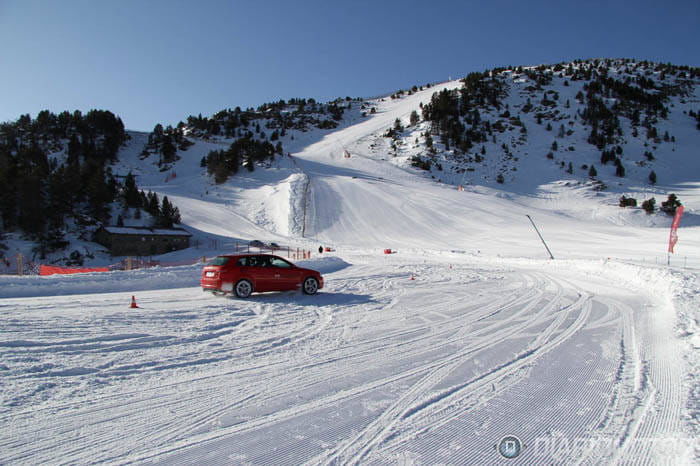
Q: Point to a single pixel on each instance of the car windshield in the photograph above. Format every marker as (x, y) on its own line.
(221, 260)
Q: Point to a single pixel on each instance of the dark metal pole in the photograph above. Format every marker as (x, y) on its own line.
(538, 234)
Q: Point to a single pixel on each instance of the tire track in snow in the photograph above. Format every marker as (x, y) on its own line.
(415, 401)
(263, 313)
(300, 410)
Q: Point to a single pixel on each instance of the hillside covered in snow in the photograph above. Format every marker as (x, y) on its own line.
(466, 334)
(572, 138)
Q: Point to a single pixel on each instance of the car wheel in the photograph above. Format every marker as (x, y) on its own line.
(310, 286)
(243, 289)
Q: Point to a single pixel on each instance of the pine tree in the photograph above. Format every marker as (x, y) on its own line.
(670, 205)
(99, 194)
(168, 214)
(628, 202)
(131, 195)
(31, 205)
(652, 177)
(168, 149)
(153, 205)
(619, 169)
(592, 172)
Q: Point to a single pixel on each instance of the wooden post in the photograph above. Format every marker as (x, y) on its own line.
(20, 265)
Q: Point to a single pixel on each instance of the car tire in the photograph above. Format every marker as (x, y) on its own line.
(309, 286)
(243, 289)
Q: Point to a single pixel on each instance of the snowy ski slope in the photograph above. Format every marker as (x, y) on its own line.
(588, 359)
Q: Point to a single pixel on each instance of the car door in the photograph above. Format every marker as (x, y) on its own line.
(287, 277)
(262, 273)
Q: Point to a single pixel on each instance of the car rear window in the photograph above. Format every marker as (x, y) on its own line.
(221, 260)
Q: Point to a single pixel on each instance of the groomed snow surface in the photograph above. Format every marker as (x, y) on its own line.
(427, 356)
(378, 368)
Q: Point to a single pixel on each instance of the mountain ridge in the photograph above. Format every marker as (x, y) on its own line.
(514, 143)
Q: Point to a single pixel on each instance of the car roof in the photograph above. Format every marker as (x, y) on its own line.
(247, 255)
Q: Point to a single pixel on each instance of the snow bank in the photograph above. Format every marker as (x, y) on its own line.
(12, 286)
(328, 264)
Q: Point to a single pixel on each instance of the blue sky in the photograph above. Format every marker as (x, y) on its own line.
(159, 61)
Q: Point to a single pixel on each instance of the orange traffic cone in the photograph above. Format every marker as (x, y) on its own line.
(133, 303)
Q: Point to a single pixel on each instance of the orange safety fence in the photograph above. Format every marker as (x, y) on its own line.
(25, 267)
(52, 270)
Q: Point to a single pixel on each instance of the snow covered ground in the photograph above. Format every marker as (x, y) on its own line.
(591, 358)
(572, 357)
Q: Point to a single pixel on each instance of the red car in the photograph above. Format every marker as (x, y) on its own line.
(246, 273)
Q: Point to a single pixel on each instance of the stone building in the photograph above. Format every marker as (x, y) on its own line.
(142, 241)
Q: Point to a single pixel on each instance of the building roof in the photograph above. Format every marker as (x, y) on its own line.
(140, 231)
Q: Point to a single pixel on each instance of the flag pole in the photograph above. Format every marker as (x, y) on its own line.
(673, 237)
(541, 238)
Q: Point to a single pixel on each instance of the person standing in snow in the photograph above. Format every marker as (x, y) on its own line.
(320, 249)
